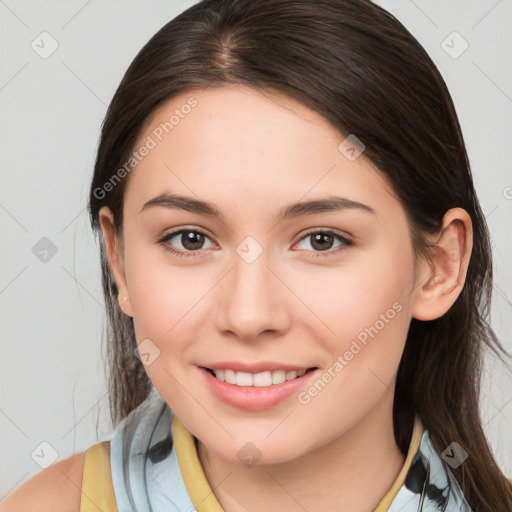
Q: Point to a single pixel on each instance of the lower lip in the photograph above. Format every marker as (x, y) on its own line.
(252, 397)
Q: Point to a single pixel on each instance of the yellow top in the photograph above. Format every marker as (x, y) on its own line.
(98, 491)
(97, 488)
(414, 446)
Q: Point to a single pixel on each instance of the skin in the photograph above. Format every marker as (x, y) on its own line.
(251, 154)
(56, 488)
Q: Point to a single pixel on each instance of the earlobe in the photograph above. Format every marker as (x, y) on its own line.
(113, 245)
(440, 286)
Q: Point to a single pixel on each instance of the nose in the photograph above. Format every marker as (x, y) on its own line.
(252, 300)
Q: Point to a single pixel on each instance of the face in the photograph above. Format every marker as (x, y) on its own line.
(261, 289)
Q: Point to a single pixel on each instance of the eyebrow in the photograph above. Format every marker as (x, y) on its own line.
(189, 204)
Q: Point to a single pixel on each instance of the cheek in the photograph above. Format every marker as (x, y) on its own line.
(367, 311)
(168, 304)
(367, 294)
(165, 301)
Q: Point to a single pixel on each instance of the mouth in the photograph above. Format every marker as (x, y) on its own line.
(265, 387)
(266, 378)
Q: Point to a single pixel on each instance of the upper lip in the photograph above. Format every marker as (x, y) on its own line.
(263, 366)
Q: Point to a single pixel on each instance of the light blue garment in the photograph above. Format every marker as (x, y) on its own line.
(146, 476)
(145, 473)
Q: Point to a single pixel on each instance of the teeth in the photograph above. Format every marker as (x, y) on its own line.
(243, 379)
(278, 376)
(263, 379)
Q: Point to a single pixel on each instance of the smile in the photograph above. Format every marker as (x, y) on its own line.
(255, 391)
(262, 379)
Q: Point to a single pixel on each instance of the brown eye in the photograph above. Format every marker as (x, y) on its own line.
(191, 241)
(322, 242)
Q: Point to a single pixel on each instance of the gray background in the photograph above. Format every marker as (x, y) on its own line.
(52, 387)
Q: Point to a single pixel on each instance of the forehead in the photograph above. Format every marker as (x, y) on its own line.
(238, 143)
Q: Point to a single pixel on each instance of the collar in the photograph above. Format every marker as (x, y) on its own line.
(421, 480)
(147, 475)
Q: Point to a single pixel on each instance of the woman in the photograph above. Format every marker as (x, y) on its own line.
(296, 269)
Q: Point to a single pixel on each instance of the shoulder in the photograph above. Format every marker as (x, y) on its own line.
(58, 487)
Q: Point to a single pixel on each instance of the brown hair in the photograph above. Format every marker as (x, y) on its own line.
(359, 67)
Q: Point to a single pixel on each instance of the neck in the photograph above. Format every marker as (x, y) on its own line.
(350, 473)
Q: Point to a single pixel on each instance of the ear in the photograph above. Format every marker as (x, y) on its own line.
(437, 288)
(114, 246)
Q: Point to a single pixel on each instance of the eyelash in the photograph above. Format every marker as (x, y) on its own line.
(346, 242)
